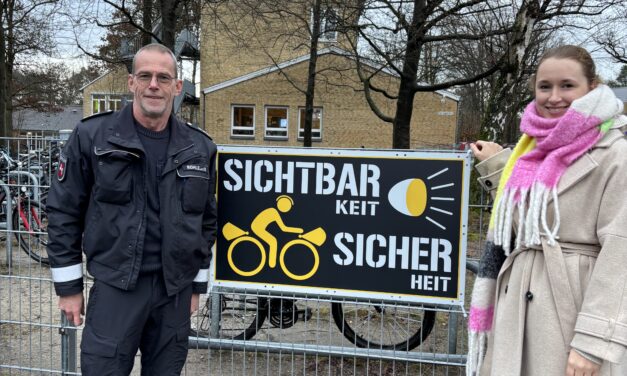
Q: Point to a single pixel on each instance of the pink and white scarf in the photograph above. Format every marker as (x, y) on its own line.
(556, 144)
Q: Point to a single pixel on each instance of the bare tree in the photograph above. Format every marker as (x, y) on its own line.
(24, 30)
(396, 34)
(281, 30)
(534, 26)
(611, 34)
(148, 20)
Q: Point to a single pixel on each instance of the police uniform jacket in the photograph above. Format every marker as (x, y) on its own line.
(97, 205)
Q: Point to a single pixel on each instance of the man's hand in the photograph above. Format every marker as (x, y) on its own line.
(74, 307)
(195, 302)
(483, 150)
(580, 366)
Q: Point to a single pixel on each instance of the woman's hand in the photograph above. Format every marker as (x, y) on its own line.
(578, 365)
(483, 150)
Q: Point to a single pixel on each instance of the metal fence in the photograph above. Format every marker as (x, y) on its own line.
(234, 333)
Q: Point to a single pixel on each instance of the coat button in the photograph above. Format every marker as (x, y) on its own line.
(529, 295)
(506, 286)
(488, 183)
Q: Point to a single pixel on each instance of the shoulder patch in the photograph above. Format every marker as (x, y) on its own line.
(197, 129)
(96, 115)
(62, 166)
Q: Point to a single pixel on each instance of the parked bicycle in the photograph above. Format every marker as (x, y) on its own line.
(376, 326)
(29, 221)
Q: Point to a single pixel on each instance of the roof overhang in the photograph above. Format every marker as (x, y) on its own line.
(288, 63)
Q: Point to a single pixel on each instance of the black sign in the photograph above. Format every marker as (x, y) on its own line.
(365, 223)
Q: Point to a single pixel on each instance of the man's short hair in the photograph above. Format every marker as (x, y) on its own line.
(160, 48)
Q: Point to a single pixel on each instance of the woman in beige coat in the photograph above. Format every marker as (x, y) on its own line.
(551, 295)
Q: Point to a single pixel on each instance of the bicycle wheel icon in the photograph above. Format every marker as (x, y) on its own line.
(313, 250)
(308, 240)
(262, 252)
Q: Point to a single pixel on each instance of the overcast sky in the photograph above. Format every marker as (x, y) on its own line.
(90, 35)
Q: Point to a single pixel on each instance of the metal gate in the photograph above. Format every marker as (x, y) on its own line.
(234, 333)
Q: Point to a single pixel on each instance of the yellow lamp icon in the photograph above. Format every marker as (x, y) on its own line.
(409, 197)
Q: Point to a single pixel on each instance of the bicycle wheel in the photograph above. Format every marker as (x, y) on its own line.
(30, 224)
(241, 316)
(383, 327)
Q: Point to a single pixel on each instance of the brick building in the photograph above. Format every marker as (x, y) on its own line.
(263, 108)
(252, 88)
(106, 92)
(248, 93)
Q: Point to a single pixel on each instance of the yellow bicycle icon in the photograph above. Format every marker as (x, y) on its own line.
(259, 227)
(316, 236)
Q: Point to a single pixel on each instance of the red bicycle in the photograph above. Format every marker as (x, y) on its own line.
(29, 222)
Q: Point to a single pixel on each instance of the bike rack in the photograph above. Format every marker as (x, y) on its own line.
(9, 212)
(9, 224)
(33, 178)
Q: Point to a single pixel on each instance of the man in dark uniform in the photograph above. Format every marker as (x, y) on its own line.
(135, 193)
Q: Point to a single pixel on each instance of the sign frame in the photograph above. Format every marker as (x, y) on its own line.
(274, 289)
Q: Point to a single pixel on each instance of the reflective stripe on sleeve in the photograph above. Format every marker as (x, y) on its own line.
(202, 276)
(67, 273)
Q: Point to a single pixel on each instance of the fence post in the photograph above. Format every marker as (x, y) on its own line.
(214, 328)
(68, 346)
(452, 332)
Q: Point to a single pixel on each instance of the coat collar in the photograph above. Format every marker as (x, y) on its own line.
(123, 132)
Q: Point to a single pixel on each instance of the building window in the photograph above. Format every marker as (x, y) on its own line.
(242, 121)
(276, 122)
(106, 102)
(316, 124)
(328, 25)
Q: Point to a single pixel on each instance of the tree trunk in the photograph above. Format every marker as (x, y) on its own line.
(4, 94)
(168, 18)
(9, 59)
(406, 91)
(147, 22)
(499, 122)
(311, 73)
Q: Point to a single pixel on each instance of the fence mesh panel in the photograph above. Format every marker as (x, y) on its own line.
(234, 332)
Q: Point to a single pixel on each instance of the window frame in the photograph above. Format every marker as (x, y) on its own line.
(105, 100)
(302, 109)
(235, 128)
(324, 35)
(265, 121)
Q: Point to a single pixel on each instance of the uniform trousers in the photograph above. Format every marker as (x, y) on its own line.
(119, 322)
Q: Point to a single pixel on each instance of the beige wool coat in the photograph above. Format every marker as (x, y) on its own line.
(574, 294)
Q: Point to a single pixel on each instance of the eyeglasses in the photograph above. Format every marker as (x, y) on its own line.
(162, 78)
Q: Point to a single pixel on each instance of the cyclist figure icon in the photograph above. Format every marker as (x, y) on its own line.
(259, 227)
(268, 216)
